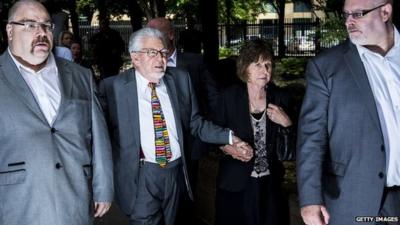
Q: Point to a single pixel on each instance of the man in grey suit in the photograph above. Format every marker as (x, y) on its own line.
(55, 155)
(348, 145)
(207, 97)
(148, 190)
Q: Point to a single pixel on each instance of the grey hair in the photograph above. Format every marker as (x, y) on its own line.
(135, 40)
(14, 8)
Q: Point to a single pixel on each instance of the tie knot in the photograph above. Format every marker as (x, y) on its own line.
(152, 85)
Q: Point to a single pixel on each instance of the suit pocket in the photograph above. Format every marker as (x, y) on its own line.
(12, 177)
(335, 168)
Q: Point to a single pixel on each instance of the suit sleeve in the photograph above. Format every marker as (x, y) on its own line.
(103, 187)
(204, 129)
(312, 143)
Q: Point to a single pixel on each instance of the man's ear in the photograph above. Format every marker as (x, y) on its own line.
(171, 35)
(134, 58)
(386, 12)
(9, 31)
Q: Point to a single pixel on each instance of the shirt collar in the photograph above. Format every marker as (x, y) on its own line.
(172, 59)
(143, 83)
(50, 64)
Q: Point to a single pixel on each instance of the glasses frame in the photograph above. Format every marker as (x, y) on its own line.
(360, 14)
(33, 26)
(152, 53)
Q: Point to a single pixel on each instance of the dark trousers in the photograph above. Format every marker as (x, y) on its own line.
(158, 194)
(260, 203)
(390, 207)
(187, 208)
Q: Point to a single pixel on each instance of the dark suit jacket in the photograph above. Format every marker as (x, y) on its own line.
(341, 153)
(121, 107)
(206, 92)
(233, 112)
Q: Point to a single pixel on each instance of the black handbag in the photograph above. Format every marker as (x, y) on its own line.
(285, 145)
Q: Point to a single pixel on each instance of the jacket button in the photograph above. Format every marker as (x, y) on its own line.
(381, 175)
(53, 130)
(382, 148)
(58, 165)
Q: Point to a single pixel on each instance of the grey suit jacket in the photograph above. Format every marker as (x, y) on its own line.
(121, 106)
(341, 153)
(49, 175)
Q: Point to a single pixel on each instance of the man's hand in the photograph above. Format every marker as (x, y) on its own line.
(100, 208)
(315, 215)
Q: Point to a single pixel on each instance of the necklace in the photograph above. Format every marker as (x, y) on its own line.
(254, 109)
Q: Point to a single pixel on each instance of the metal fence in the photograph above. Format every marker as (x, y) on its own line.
(300, 37)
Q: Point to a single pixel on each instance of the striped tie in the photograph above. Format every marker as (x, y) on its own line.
(163, 148)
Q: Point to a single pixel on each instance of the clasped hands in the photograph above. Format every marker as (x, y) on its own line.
(239, 150)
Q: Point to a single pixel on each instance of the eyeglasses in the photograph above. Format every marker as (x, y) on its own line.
(153, 52)
(360, 14)
(32, 26)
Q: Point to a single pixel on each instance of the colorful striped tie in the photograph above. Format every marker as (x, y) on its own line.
(163, 148)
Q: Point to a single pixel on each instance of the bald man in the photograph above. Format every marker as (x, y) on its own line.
(55, 153)
(348, 144)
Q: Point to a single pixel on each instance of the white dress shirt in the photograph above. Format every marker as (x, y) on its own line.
(63, 52)
(147, 139)
(171, 62)
(44, 86)
(384, 77)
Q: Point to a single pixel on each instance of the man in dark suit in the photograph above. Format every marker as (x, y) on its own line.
(55, 153)
(152, 111)
(348, 146)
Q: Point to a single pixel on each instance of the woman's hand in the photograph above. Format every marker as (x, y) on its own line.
(277, 115)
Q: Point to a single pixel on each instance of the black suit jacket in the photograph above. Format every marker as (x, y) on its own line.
(233, 113)
(206, 91)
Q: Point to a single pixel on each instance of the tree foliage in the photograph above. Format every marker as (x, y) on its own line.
(86, 8)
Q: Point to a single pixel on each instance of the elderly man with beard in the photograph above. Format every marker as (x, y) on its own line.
(55, 154)
(348, 142)
(152, 110)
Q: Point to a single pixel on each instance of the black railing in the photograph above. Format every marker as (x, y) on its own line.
(300, 38)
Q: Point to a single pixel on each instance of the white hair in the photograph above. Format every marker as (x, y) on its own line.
(135, 40)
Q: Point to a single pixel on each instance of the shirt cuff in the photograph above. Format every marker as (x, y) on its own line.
(230, 137)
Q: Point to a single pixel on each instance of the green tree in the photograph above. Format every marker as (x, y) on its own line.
(86, 8)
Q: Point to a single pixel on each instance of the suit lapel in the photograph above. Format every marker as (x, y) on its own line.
(244, 111)
(129, 91)
(178, 60)
(173, 96)
(65, 80)
(357, 71)
(16, 82)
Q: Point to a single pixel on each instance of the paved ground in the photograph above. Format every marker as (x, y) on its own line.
(205, 203)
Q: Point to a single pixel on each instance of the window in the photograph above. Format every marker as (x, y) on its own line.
(302, 7)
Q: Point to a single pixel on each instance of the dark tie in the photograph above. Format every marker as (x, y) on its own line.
(163, 148)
